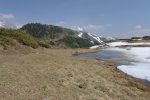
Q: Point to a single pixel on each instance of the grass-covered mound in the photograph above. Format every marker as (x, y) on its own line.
(12, 36)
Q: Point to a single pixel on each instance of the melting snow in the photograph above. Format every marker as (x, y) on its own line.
(95, 46)
(96, 38)
(140, 68)
(80, 35)
(126, 43)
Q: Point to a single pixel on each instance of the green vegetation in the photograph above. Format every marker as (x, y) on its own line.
(56, 35)
(42, 30)
(36, 34)
(76, 42)
(12, 36)
(6, 41)
(44, 44)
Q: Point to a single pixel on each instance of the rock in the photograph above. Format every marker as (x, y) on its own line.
(82, 84)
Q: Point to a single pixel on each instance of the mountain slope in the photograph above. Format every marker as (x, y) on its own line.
(50, 35)
(93, 38)
(17, 37)
(55, 34)
(44, 31)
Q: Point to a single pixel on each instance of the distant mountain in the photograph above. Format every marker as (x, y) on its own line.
(44, 31)
(36, 34)
(50, 35)
(57, 33)
(96, 40)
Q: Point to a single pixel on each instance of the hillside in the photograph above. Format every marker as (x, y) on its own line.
(11, 37)
(42, 35)
(36, 34)
(44, 31)
(56, 35)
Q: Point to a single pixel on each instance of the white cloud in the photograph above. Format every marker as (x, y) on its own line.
(78, 28)
(92, 26)
(138, 27)
(6, 16)
(2, 23)
(61, 23)
(18, 26)
(141, 31)
(6, 20)
(88, 28)
(135, 33)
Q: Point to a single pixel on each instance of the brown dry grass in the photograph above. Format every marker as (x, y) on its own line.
(54, 74)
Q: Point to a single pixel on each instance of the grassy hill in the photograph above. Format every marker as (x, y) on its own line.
(12, 37)
(36, 34)
(44, 31)
(56, 35)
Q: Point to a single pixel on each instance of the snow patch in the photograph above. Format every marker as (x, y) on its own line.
(140, 67)
(114, 44)
(78, 28)
(95, 46)
(80, 34)
(92, 42)
(98, 38)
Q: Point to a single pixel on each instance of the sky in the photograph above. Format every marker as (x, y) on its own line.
(115, 18)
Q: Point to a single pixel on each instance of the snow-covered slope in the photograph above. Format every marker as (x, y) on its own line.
(96, 40)
(80, 34)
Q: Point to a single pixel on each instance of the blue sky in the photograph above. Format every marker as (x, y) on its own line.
(117, 18)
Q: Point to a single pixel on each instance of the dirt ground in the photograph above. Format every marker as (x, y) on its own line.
(54, 74)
